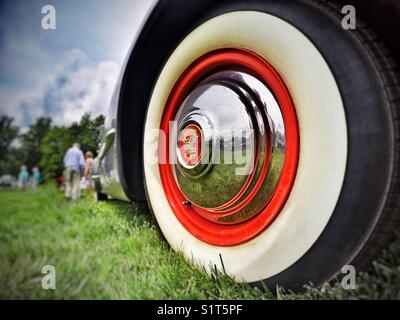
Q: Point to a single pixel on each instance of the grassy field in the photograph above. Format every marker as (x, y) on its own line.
(112, 251)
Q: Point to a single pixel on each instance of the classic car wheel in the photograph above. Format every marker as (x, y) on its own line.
(317, 186)
(233, 211)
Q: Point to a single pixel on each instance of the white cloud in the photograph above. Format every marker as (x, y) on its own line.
(64, 73)
(86, 89)
(76, 85)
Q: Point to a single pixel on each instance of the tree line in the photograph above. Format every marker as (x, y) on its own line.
(44, 144)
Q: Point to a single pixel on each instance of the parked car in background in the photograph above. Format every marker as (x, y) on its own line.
(7, 181)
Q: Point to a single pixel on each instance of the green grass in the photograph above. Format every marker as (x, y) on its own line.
(113, 251)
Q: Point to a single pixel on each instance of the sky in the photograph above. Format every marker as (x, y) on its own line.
(65, 72)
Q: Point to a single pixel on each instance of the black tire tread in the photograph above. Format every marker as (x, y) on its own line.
(387, 68)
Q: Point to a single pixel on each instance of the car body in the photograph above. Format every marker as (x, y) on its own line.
(383, 16)
(359, 65)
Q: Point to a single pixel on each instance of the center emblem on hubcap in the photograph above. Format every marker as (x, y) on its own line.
(190, 143)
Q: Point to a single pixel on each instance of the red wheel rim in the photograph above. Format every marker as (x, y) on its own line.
(191, 217)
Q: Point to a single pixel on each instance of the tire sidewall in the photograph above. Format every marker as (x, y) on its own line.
(370, 140)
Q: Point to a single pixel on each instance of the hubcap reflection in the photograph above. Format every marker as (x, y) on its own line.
(230, 147)
(231, 156)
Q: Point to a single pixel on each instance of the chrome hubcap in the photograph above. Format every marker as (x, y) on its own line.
(230, 146)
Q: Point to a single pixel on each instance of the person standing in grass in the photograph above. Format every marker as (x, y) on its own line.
(74, 164)
(36, 178)
(23, 178)
(88, 173)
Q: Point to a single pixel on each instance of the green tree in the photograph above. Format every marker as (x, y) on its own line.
(12, 161)
(9, 156)
(31, 141)
(8, 133)
(53, 146)
(87, 132)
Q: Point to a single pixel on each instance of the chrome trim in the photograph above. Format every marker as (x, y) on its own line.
(230, 107)
(107, 143)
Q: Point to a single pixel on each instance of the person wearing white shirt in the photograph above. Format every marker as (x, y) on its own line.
(74, 163)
